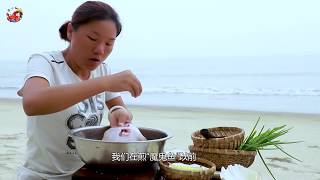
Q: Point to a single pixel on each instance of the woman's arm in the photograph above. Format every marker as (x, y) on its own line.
(39, 98)
(115, 102)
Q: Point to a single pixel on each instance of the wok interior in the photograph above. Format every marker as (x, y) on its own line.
(96, 133)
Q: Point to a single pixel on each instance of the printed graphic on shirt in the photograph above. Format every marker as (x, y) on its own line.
(93, 106)
(76, 121)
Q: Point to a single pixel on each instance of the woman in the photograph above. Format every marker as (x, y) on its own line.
(70, 89)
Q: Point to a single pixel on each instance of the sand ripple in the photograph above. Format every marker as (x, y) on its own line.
(12, 149)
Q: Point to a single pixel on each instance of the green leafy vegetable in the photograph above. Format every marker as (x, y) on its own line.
(262, 140)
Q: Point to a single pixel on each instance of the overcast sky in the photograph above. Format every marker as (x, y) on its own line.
(175, 29)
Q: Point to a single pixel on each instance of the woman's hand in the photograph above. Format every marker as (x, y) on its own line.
(119, 117)
(124, 81)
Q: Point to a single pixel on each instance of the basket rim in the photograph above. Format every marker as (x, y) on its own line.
(240, 133)
(208, 171)
(222, 151)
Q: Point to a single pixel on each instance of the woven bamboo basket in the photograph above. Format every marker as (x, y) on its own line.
(225, 157)
(232, 138)
(170, 173)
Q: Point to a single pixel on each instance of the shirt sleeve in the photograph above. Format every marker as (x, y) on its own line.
(109, 95)
(38, 66)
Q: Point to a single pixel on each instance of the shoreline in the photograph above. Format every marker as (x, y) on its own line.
(198, 109)
(221, 110)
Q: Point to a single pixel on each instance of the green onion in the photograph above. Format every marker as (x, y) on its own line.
(264, 139)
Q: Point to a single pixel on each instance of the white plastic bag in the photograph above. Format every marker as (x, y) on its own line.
(126, 133)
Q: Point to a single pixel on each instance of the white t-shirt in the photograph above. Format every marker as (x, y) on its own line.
(51, 152)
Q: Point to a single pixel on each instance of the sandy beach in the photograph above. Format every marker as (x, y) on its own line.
(182, 122)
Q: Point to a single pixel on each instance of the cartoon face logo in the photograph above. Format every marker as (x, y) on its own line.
(14, 14)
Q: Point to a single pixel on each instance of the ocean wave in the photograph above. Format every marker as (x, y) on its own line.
(217, 91)
(235, 91)
(229, 74)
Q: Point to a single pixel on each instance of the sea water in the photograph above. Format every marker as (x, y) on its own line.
(272, 83)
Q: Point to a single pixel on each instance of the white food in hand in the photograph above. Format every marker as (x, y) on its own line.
(125, 133)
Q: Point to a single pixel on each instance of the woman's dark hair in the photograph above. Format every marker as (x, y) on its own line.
(91, 11)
